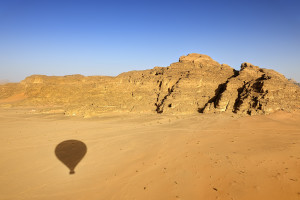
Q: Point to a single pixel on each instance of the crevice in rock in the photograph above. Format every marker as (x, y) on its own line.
(218, 92)
(159, 89)
(227, 105)
(239, 100)
(159, 105)
(159, 86)
(254, 91)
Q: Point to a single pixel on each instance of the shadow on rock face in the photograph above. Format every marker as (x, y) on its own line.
(70, 153)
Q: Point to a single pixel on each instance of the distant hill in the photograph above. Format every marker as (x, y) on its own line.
(4, 81)
(293, 81)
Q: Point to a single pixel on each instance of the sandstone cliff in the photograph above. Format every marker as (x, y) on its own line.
(195, 84)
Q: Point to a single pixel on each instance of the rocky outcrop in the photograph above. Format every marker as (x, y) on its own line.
(255, 91)
(195, 84)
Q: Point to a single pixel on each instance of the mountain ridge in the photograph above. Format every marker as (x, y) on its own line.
(194, 84)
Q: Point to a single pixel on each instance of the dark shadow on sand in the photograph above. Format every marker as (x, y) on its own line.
(70, 153)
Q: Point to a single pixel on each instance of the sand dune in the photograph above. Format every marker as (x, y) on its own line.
(151, 157)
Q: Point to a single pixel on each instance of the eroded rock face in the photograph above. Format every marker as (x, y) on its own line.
(195, 84)
(255, 91)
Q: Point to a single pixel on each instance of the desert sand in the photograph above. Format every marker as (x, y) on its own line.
(150, 156)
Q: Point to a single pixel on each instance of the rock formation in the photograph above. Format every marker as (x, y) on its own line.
(195, 84)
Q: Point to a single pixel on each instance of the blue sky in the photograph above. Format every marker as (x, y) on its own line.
(109, 37)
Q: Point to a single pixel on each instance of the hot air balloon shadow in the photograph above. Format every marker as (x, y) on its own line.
(70, 153)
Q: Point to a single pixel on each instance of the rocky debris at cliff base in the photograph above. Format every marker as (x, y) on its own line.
(195, 84)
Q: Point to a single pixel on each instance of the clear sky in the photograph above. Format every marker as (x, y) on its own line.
(109, 37)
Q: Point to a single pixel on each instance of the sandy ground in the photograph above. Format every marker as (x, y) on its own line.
(151, 157)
